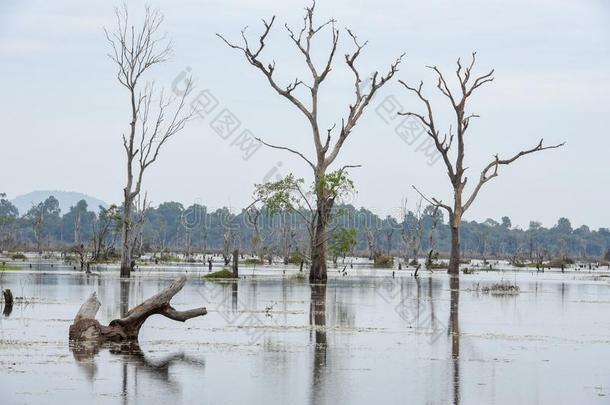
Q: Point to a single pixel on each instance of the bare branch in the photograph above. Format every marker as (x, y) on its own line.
(491, 170)
(287, 149)
(433, 201)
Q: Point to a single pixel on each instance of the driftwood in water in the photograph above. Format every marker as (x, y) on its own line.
(86, 327)
(8, 302)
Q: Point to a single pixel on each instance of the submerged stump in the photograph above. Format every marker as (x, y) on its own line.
(86, 328)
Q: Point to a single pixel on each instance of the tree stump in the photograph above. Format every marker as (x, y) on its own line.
(86, 328)
(8, 302)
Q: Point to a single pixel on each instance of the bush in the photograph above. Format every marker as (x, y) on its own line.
(296, 258)
(558, 263)
(18, 256)
(437, 265)
(5, 267)
(168, 258)
(501, 288)
(383, 261)
(224, 273)
(253, 261)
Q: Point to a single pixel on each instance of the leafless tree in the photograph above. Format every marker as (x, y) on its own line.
(371, 240)
(154, 116)
(326, 153)
(411, 234)
(453, 153)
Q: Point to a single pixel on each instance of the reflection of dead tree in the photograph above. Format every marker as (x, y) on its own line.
(86, 327)
(131, 353)
(317, 322)
(454, 332)
(445, 145)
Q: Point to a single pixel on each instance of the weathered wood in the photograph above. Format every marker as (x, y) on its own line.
(8, 302)
(86, 327)
(8, 297)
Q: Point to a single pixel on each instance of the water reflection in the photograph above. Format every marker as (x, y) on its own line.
(131, 356)
(124, 300)
(317, 321)
(454, 332)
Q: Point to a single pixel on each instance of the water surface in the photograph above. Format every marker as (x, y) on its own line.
(275, 339)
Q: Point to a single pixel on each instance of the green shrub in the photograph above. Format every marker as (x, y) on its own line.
(18, 256)
(8, 267)
(253, 261)
(168, 258)
(557, 263)
(224, 273)
(437, 265)
(296, 258)
(383, 261)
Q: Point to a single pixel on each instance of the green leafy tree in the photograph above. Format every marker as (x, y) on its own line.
(342, 242)
(8, 219)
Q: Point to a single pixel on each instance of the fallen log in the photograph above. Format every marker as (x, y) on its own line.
(86, 327)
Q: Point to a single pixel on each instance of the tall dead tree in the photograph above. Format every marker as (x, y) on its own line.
(308, 106)
(154, 116)
(452, 154)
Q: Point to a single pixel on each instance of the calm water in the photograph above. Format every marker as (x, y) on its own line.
(274, 339)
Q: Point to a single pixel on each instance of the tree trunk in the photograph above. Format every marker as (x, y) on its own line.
(126, 235)
(454, 259)
(317, 272)
(236, 263)
(86, 328)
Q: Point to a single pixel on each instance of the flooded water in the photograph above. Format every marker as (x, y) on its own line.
(274, 339)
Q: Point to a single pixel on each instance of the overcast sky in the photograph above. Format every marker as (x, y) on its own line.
(63, 111)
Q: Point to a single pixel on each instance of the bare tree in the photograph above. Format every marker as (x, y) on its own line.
(444, 143)
(102, 226)
(325, 152)
(371, 240)
(154, 117)
(412, 233)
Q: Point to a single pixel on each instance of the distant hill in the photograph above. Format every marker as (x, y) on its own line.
(66, 200)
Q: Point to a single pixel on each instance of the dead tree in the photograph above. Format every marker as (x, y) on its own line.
(326, 153)
(371, 240)
(154, 117)
(86, 327)
(444, 143)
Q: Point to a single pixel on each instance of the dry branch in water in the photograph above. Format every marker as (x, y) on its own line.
(86, 327)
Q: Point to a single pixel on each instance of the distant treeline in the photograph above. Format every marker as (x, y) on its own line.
(171, 227)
